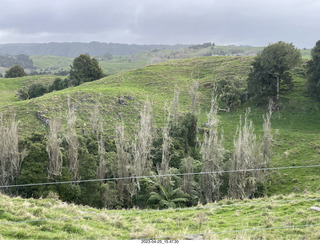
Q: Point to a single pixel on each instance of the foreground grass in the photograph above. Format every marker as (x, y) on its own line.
(273, 218)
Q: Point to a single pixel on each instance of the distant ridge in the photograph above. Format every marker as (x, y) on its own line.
(74, 49)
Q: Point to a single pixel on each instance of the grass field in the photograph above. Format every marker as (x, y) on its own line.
(278, 217)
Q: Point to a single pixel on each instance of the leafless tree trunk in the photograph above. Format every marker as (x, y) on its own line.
(175, 106)
(163, 168)
(94, 119)
(10, 157)
(54, 150)
(125, 186)
(247, 155)
(72, 140)
(102, 167)
(142, 144)
(212, 152)
(188, 180)
(194, 96)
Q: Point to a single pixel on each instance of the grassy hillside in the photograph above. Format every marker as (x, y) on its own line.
(132, 61)
(278, 217)
(296, 142)
(295, 127)
(154, 81)
(51, 63)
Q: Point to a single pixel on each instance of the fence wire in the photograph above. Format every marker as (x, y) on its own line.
(156, 176)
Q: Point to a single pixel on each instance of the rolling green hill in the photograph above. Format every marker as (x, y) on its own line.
(296, 142)
(117, 64)
(295, 127)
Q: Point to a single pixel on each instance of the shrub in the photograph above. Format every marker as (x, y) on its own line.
(36, 90)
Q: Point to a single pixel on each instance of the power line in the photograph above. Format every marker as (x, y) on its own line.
(156, 176)
(161, 210)
(235, 231)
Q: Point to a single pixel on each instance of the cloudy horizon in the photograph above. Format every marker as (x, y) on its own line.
(224, 22)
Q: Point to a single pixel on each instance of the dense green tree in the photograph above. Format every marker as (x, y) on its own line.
(59, 84)
(85, 69)
(37, 90)
(272, 67)
(313, 71)
(34, 166)
(15, 71)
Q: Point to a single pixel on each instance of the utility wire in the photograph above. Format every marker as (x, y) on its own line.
(234, 231)
(161, 210)
(157, 176)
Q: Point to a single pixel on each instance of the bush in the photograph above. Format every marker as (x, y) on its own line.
(36, 90)
(59, 84)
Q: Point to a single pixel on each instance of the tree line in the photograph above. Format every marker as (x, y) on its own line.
(64, 154)
(21, 60)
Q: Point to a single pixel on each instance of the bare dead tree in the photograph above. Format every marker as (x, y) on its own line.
(102, 167)
(72, 140)
(194, 95)
(188, 180)
(247, 155)
(194, 103)
(163, 168)
(212, 151)
(175, 106)
(54, 150)
(142, 143)
(94, 119)
(125, 187)
(10, 157)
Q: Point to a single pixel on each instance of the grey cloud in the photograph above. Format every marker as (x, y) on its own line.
(166, 21)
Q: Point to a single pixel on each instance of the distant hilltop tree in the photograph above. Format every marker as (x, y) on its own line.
(201, 46)
(85, 69)
(271, 69)
(15, 71)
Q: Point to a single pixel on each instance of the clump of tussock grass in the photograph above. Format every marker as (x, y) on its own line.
(147, 231)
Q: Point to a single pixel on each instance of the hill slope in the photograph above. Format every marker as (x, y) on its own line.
(295, 128)
(296, 142)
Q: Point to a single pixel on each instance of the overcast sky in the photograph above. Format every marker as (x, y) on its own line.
(224, 22)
